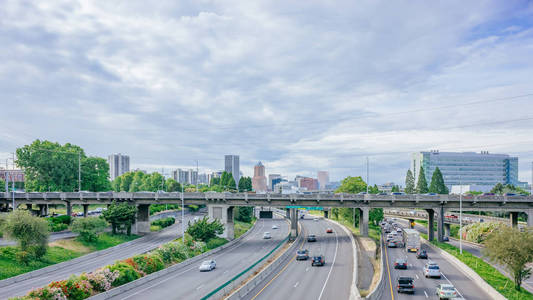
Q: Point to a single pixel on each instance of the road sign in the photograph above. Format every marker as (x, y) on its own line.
(305, 207)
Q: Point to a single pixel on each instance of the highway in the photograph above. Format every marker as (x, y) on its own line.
(189, 283)
(425, 287)
(85, 264)
(299, 280)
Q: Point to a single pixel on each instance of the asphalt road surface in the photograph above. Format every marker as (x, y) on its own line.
(299, 280)
(425, 287)
(140, 245)
(189, 283)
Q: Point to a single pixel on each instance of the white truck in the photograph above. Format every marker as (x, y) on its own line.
(411, 240)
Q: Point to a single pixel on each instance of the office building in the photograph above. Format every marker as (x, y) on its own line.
(259, 181)
(202, 178)
(271, 178)
(308, 183)
(118, 165)
(185, 176)
(231, 165)
(212, 175)
(323, 179)
(467, 168)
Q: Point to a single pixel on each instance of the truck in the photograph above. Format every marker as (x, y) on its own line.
(411, 240)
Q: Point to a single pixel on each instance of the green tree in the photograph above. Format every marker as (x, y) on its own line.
(225, 178)
(422, 185)
(437, 183)
(115, 184)
(156, 182)
(245, 184)
(373, 189)
(120, 216)
(88, 228)
(50, 166)
(127, 179)
(395, 188)
(513, 249)
(231, 183)
(352, 185)
(2, 185)
(409, 183)
(31, 233)
(244, 213)
(139, 182)
(214, 181)
(95, 174)
(172, 185)
(375, 215)
(203, 230)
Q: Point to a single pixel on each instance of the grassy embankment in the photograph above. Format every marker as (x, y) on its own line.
(242, 227)
(491, 275)
(58, 251)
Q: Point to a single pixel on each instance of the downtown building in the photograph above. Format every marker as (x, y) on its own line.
(186, 176)
(273, 179)
(231, 165)
(259, 181)
(118, 165)
(323, 179)
(481, 170)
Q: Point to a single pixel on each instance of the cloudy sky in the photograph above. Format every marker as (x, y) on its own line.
(299, 85)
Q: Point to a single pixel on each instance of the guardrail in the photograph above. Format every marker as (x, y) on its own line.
(229, 285)
(378, 290)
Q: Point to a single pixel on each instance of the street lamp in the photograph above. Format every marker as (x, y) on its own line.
(182, 216)
(460, 216)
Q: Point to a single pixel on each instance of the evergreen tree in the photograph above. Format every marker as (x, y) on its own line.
(231, 183)
(245, 184)
(409, 183)
(225, 178)
(437, 183)
(395, 188)
(421, 185)
(214, 181)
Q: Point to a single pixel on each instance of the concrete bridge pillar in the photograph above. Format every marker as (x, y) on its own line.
(514, 219)
(529, 213)
(288, 213)
(223, 213)
(42, 210)
(326, 213)
(447, 229)
(363, 221)
(142, 223)
(29, 207)
(294, 223)
(69, 208)
(431, 219)
(411, 223)
(440, 225)
(85, 210)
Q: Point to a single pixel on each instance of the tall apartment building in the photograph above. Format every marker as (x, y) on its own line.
(467, 168)
(118, 165)
(231, 165)
(259, 181)
(323, 179)
(272, 180)
(185, 176)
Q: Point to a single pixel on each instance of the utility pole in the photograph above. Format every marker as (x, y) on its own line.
(182, 216)
(197, 176)
(79, 171)
(460, 215)
(367, 177)
(13, 181)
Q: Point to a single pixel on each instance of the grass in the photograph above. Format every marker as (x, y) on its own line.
(59, 251)
(241, 227)
(492, 276)
(155, 228)
(454, 229)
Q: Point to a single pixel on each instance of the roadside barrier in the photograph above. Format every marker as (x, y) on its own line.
(378, 289)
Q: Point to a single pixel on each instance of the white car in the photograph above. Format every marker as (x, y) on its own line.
(275, 226)
(207, 266)
(446, 291)
(316, 219)
(267, 235)
(431, 269)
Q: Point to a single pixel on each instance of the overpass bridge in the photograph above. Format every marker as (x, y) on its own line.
(220, 205)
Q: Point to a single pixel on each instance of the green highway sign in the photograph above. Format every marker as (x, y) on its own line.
(305, 207)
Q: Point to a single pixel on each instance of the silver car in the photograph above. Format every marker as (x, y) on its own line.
(267, 235)
(431, 269)
(207, 266)
(446, 291)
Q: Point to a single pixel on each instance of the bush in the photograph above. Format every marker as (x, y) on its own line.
(101, 279)
(173, 252)
(244, 214)
(165, 222)
(155, 208)
(478, 232)
(74, 288)
(127, 273)
(149, 263)
(28, 231)
(47, 293)
(203, 230)
(215, 242)
(88, 228)
(57, 227)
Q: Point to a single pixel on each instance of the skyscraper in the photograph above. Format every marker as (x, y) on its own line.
(323, 179)
(259, 179)
(232, 166)
(271, 179)
(118, 165)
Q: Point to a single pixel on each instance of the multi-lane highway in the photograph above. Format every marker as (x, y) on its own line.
(190, 283)
(88, 264)
(425, 287)
(299, 280)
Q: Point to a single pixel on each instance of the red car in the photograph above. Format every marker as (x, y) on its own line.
(329, 230)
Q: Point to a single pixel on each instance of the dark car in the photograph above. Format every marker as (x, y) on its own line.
(311, 238)
(400, 263)
(318, 260)
(302, 254)
(406, 285)
(392, 244)
(421, 254)
(445, 239)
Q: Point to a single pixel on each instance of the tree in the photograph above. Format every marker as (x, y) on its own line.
(172, 185)
(115, 184)
(497, 189)
(139, 183)
(375, 215)
(120, 216)
(224, 178)
(127, 179)
(421, 185)
(245, 184)
(203, 230)
(214, 181)
(352, 185)
(513, 249)
(31, 233)
(395, 188)
(231, 183)
(95, 174)
(409, 183)
(88, 228)
(244, 213)
(373, 189)
(2, 185)
(437, 183)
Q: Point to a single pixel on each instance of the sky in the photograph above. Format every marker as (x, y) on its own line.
(301, 86)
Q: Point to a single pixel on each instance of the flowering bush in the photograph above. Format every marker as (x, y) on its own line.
(75, 288)
(127, 273)
(173, 252)
(478, 232)
(101, 279)
(149, 263)
(47, 293)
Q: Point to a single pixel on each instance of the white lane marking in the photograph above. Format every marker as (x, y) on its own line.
(451, 284)
(417, 276)
(331, 268)
(307, 269)
(199, 287)
(296, 284)
(426, 294)
(225, 272)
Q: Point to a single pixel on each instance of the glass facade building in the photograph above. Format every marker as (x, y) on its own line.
(467, 167)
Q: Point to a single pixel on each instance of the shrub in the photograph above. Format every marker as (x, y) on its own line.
(47, 293)
(24, 257)
(74, 288)
(165, 222)
(88, 228)
(27, 230)
(203, 230)
(478, 232)
(59, 223)
(215, 242)
(149, 263)
(173, 252)
(57, 227)
(126, 273)
(101, 279)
